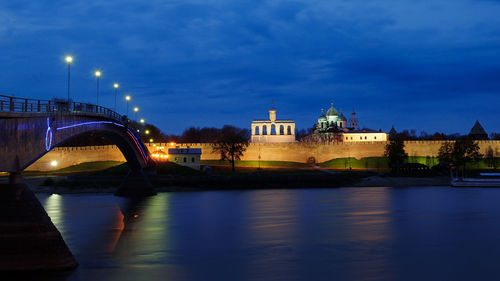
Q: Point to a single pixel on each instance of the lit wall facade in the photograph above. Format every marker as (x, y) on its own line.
(364, 137)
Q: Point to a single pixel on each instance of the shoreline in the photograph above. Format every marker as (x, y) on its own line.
(193, 186)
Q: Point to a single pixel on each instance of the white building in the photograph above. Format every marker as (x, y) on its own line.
(273, 130)
(189, 157)
(364, 135)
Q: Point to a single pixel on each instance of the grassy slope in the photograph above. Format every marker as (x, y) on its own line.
(263, 164)
(80, 168)
(363, 163)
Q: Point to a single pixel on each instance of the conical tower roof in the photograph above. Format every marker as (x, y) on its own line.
(477, 132)
(477, 129)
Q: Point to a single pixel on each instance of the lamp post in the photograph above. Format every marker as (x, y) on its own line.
(136, 109)
(142, 121)
(127, 98)
(69, 59)
(97, 75)
(116, 92)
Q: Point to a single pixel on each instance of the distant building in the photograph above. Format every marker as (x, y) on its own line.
(332, 121)
(477, 132)
(273, 130)
(364, 135)
(334, 127)
(189, 157)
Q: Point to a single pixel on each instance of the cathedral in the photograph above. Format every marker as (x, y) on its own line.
(332, 121)
(334, 127)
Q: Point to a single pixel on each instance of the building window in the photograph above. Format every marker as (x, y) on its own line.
(374, 138)
(282, 130)
(192, 159)
(340, 124)
(346, 138)
(264, 130)
(185, 159)
(289, 130)
(175, 159)
(351, 138)
(257, 130)
(361, 138)
(365, 137)
(273, 129)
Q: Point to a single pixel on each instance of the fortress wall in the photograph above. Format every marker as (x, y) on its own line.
(295, 152)
(431, 148)
(299, 152)
(68, 156)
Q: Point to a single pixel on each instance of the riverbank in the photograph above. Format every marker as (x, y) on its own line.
(385, 181)
(172, 177)
(61, 185)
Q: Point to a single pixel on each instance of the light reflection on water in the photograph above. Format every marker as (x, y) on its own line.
(431, 233)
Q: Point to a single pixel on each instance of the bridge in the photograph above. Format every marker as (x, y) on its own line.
(29, 129)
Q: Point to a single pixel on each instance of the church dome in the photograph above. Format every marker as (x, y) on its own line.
(332, 111)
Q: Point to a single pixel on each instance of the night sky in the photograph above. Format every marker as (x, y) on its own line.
(425, 65)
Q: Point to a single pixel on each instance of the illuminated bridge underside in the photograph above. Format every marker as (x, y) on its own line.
(27, 137)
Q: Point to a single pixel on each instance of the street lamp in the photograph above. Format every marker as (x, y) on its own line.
(98, 75)
(116, 92)
(127, 98)
(136, 109)
(142, 121)
(69, 59)
(147, 132)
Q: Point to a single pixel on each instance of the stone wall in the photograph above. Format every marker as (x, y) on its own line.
(295, 152)
(301, 152)
(68, 156)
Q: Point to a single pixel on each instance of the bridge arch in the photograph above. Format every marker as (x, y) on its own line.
(27, 138)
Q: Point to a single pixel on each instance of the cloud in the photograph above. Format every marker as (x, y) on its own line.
(228, 59)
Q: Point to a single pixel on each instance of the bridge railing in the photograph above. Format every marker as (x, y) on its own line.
(14, 104)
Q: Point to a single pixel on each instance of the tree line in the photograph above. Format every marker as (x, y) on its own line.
(460, 152)
(408, 135)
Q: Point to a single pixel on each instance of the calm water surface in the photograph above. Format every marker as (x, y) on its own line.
(421, 233)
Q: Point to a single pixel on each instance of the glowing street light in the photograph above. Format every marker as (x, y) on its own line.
(127, 98)
(147, 132)
(98, 75)
(69, 59)
(142, 120)
(116, 92)
(150, 140)
(136, 109)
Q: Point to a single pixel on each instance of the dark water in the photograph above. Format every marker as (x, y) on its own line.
(425, 233)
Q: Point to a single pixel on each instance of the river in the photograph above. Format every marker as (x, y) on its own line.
(420, 233)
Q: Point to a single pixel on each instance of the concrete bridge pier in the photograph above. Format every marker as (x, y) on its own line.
(28, 238)
(136, 184)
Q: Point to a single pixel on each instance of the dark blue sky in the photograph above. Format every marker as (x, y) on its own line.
(425, 65)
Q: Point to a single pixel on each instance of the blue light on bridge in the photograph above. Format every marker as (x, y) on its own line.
(89, 123)
(48, 136)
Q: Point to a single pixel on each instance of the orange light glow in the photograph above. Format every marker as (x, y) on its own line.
(160, 155)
